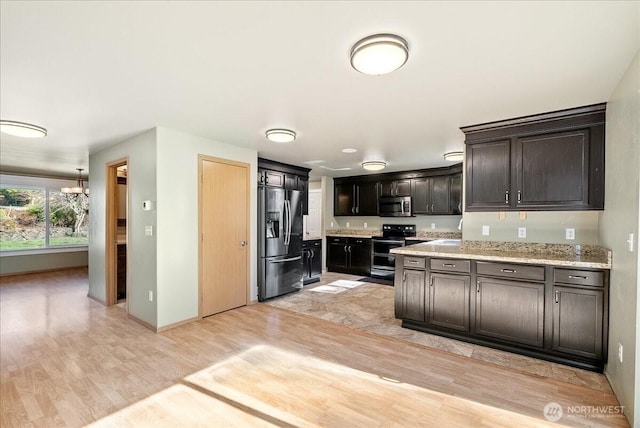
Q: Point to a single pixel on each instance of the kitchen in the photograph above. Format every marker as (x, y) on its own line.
(461, 71)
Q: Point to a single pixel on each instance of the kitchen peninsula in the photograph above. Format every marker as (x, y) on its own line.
(540, 300)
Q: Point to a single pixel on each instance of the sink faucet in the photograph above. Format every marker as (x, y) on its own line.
(460, 224)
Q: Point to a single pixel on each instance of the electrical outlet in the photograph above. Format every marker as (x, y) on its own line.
(148, 230)
(331, 224)
(485, 230)
(365, 224)
(150, 296)
(347, 224)
(569, 233)
(433, 225)
(620, 352)
(630, 242)
(522, 232)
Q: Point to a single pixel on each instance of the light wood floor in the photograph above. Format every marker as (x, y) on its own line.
(66, 360)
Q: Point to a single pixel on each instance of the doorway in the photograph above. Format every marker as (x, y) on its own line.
(116, 232)
(224, 246)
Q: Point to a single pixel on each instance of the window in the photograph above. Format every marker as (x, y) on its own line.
(34, 214)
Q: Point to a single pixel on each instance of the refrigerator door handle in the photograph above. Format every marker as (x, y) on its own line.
(292, 259)
(289, 221)
(285, 214)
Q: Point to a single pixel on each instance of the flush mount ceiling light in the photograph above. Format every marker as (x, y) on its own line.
(348, 150)
(279, 135)
(21, 129)
(79, 189)
(374, 165)
(454, 156)
(379, 54)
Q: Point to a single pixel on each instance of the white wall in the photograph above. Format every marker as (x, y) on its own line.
(177, 208)
(141, 249)
(22, 263)
(620, 217)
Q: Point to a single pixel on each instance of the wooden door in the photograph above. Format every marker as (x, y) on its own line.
(224, 228)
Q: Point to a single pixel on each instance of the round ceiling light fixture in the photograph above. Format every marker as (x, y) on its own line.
(349, 150)
(454, 156)
(22, 129)
(280, 135)
(379, 54)
(374, 165)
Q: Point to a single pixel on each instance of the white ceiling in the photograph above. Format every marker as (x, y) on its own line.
(96, 73)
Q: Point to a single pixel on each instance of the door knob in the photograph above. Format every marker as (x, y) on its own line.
(243, 243)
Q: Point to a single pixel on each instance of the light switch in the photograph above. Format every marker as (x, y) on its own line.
(522, 232)
(569, 233)
(433, 225)
(630, 242)
(148, 230)
(485, 230)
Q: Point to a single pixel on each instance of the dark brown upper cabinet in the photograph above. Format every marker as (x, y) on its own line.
(552, 161)
(395, 188)
(435, 195)
(290, 177)
(355, 199)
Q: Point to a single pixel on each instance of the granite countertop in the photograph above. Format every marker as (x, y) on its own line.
(369, 233)
(592, 256)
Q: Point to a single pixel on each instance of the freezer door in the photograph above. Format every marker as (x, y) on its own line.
(273, 221)
(280, 275)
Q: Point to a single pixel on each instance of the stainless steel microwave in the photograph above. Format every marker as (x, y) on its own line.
(398, 206)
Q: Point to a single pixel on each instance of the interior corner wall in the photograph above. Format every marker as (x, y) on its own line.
(617, 221)
(141, 249)
(177, 208)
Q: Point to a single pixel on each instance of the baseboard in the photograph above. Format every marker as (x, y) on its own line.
(95, 299)
(143, 323)
(29, 272)
(176, 324)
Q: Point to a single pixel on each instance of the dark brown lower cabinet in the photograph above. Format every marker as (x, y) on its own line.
(349, 255)
(449, 301)
(577, 321)
(555, 313)
(510, 310)
(410, 296)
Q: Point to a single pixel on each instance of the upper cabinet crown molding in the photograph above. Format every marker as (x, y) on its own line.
(551, 161)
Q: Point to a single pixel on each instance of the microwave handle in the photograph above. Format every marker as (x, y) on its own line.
(402, 206)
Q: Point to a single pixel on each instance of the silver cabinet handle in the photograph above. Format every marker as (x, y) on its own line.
(506, 196)
(508, 270)
(404, 277)
(432, 205)
(519, 196)
(430, 280)
(412, 262)
(578, 277)
(477, 286)
(556, 294)
(292, 259)
(448, 265)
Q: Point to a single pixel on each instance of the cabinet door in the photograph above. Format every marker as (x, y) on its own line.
(402, 187)
(455, 196)
(553, 170)
(343, 200)
(510, 310)
(386, 188)
(577, 321)
(303, 187)
(290, 182)
(360, 256)
(367, 199)
(337, 257)
(273, 178)
(410, 297)
(449, 301)
(488, 175)
(440, 188)
(421, 199)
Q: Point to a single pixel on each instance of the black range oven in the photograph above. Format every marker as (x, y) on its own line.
(383, 263)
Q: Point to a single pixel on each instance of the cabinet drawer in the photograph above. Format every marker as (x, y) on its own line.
(336, 240)
(578, 277)
(415, 262)
(508, 270)
(451, 265)
(360, 241)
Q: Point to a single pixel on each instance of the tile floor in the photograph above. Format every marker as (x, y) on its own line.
(369, 307)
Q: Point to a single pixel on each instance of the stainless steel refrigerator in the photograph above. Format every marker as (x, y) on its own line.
(280, 242)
